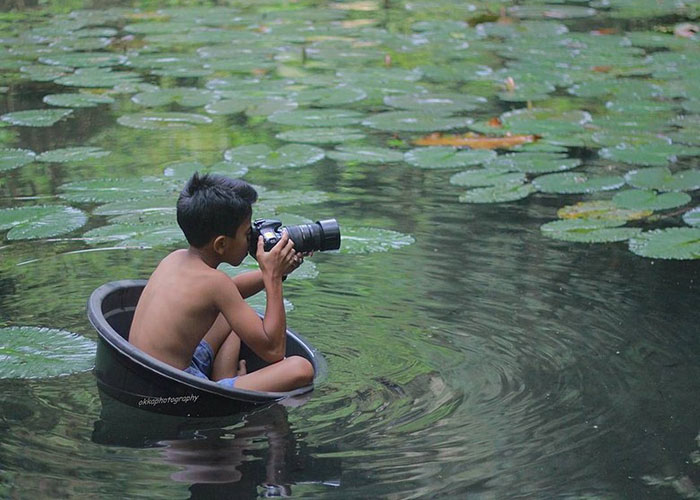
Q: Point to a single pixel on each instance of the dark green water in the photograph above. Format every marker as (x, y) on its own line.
(482, 361)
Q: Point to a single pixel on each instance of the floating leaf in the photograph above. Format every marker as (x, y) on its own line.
(317, 117)
(661, 179)
(440, 104)
(475, 141)
(156, 204)
(681, 243)
(36, 117)
(500, 193)
(692, 217)
(65, 155)
(365, 154)
(84, 59)
(15, 158)
(163, 120)
(486, 177)
(141, 235)
(446, 157)
(83, 100)
(588, 230)
(534, 162)
(109, 190)
(187, 97)
(368, 239)
(330, 135)
(642, 199)
(570, 182)
(600, 210)
(414, 121)
(30, 352)
(261, 155)
(332, 96)
(36, 222)
(654, 154)
(98, 78)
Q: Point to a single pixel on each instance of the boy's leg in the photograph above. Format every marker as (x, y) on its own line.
(226, 347)
(290, 373)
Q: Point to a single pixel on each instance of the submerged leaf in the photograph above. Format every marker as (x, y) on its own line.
(30, 352)
(83, 100)
(447, 157)
(681, 243)
(318, 135)
(588, 230)
(36, 117)
(36, 222)
(261, 155)
(600, 210)
(475, 141)
(163, 120)
(15, 158)
(65, 155)
(500, 193)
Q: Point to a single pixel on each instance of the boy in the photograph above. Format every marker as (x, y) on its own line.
(194, 317)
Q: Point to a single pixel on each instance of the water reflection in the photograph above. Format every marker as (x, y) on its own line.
(240, 456)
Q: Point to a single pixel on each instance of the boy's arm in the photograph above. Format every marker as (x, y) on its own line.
(249, 283)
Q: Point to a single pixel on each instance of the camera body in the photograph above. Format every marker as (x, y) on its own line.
(321, 235)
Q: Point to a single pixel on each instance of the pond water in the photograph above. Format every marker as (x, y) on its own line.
(470, 355)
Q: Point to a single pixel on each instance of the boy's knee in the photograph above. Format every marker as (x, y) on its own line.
(303, 370)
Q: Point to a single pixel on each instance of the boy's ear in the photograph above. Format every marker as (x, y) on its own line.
(219, 244)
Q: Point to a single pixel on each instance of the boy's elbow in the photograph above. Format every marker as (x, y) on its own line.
(273, 355)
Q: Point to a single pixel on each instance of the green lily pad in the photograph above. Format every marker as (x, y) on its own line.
(365, 154)
(317, 117)
(570, 183)
(15, 158)
(137, 235)
(36, 117)
(82, 100)
(44, 73)
(682, 243)
(251, 105)
(162, 120)
(447, 157)
(29, 352)
(84, 59)
(588, 230)
(601, 210)
(487, 177)
(692, 217)
(655, 154)
(550, 11)
(36, 222)
(183, 170)
(331, 96)
(318, 135)
(110, 190)
(643, 199)
(261, 155)
(157, 204)
(65, 155)
(662, 179)
(369, 239)
(414, 121)
(187, 97)
(440, 104)
(98, 78)
(500, 193)
(534, 162)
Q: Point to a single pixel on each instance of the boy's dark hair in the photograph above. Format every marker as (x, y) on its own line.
(211, 205)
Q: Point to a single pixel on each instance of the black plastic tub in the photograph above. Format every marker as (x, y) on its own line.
(137, 379)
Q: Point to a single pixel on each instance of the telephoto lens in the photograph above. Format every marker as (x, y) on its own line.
(322, 235)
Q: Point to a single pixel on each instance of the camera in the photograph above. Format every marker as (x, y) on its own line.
(321, 235)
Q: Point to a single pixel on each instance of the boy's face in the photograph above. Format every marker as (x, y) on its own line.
(238, 248)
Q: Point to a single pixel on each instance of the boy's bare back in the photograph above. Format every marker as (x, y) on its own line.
(176, 308)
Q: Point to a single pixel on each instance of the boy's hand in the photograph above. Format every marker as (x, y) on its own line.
(280, 260)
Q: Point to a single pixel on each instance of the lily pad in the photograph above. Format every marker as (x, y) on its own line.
(601, 210)
(139, 235)
(36, 117)
(110, 190)
(261, 155)
(318, 135)
(29, 352)
(186, 97)
(65, 155)
(447, 157)
(440, 104)
(487, 177)
(570, 183)
(369, 239)
(643, 199)
(251, 105)
(36, 222)
(82, 100)
(588, 230)
(84, 59)
(500, 193)
(682, 243)
(692, 217)
(163, 120)
(15, 158)
(414, 121)
(317, 117)
(662, 179)
(365, 154)
(332, 96)
(655, 154)
(534, 162)
(98, 78)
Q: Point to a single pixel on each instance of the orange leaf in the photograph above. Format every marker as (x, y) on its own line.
(602, 69)
(495, 122)
(475, 141)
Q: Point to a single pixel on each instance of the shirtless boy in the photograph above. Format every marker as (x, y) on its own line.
(194, 317)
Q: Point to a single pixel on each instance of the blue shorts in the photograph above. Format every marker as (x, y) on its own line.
(202, 362)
